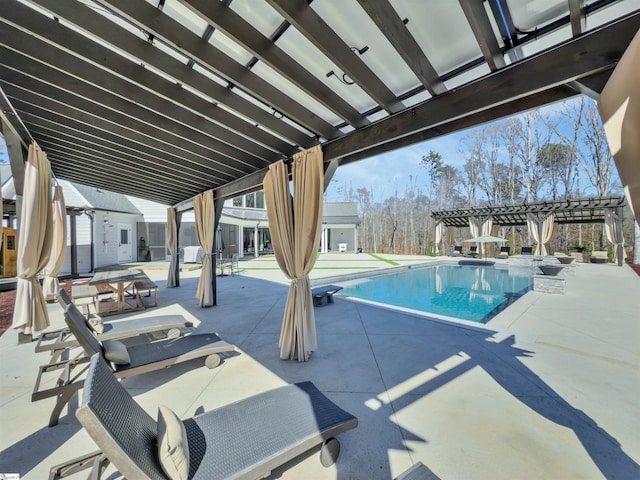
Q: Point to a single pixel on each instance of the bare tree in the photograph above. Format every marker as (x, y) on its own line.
(472, 148)
(524, 137)
(596, 156)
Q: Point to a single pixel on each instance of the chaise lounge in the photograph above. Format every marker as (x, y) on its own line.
(59, 340)
(126, 361)
(244, 440)
(457, 251)
(473, 251)
(504, 252)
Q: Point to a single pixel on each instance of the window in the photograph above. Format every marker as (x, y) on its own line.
(124, 236)
(237, 202)
(250, 200)
(260, 199)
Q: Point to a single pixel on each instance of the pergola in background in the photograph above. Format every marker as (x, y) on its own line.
(571, 211)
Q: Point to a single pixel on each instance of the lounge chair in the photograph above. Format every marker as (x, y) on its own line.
(504, 252)
(59, 340)
(526, 251)
(126, 361)
(457, 251)
(473, 251)
(246, 439)
(327, 291)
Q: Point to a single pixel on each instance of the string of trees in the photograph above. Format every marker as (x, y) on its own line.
(524, 159)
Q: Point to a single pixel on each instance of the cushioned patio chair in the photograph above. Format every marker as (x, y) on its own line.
(473, 251)
(504, 252)
(245, 439)
(59, 340)
(526, 251)
(599, 256)
(457, 251)
(126, 361)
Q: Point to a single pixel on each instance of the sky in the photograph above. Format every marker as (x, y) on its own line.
(393, 171)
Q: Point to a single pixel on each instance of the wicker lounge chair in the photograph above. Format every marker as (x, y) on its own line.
(59, 340)
(504, 252)
(526, 251)
(246, 439)
(125, 361)
(457, 251)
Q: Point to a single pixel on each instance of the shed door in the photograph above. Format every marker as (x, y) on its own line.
(125, 247)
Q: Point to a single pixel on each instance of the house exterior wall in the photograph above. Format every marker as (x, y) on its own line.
(106, 236)
(83, 242)
(343, 235)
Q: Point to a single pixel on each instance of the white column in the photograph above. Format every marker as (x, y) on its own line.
(256, 240)
(323, 241)
(240, 241)
(355, 237)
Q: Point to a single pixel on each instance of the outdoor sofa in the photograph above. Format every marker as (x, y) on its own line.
(243, 440)
(599, 256)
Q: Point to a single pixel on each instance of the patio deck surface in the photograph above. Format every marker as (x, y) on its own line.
(550, 388)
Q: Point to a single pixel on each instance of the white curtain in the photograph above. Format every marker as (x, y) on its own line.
(451, 238)
(486, 228)
(59, 246)
(475, 224)
(439, 234)
(533, 224)
(172, 245)
(295, 233)
(34, 244)
(614, 234)
(204, 213)
(548, 226)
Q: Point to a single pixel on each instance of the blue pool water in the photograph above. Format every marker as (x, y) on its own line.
(475, 293)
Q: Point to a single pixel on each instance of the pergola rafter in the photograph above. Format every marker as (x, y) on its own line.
(586, 210)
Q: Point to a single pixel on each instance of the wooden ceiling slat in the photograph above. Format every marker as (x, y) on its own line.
(124, 127)
(98, 127)
(318, 32)
(394, 29)
(264, 49)
(185, 41)
(73, 92)
(106, 144)
(483, 31)
(85, 18)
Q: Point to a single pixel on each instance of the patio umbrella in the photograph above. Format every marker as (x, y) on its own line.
(486, 239)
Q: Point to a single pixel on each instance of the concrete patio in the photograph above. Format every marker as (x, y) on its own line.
(550, 388)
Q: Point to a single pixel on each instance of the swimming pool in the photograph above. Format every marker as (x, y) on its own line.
(474, 293)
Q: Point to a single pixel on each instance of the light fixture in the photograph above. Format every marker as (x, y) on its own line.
(344, 78)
